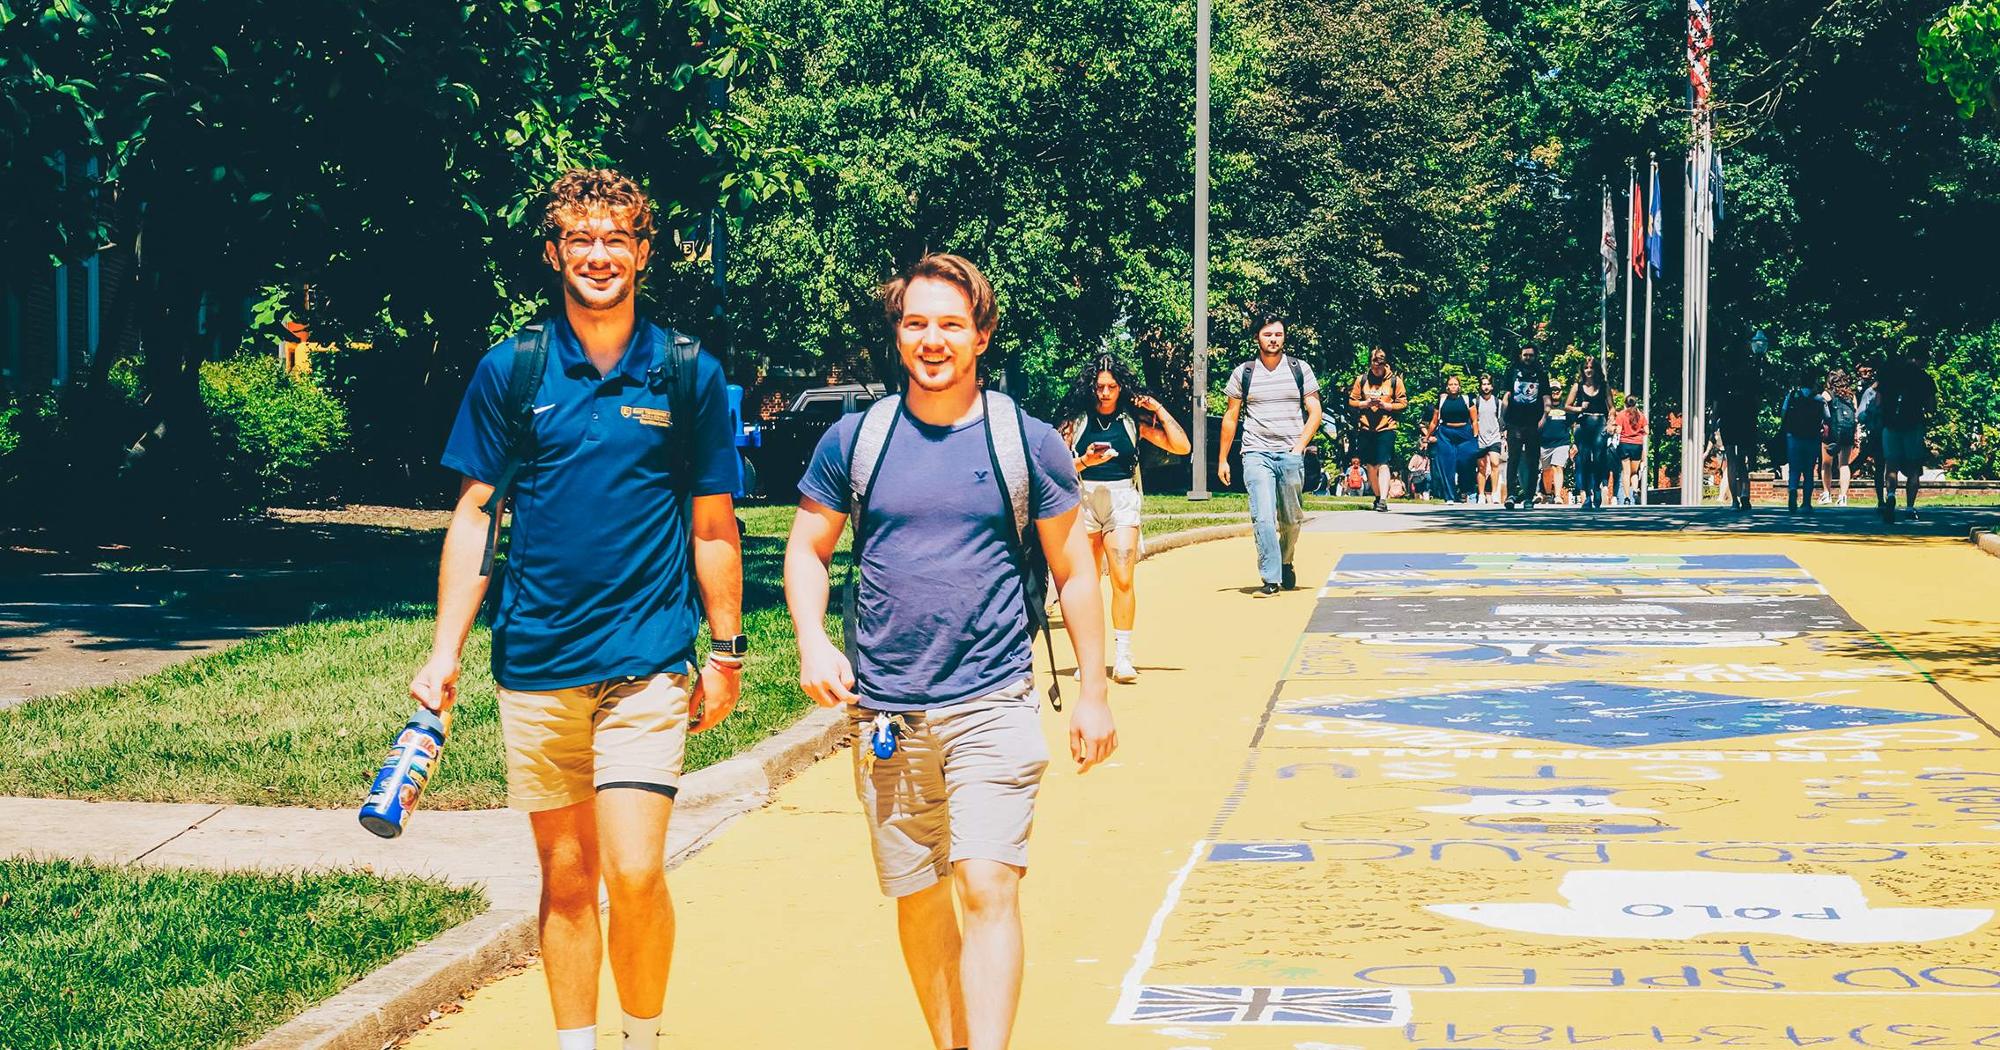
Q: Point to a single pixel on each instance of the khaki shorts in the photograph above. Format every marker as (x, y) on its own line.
(1903, 448)
(565, 745)
(961, 786)
(1110, 505)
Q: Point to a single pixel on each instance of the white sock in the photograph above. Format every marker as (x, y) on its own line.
(642, 1033)
(1123, 641)
(576, 1038)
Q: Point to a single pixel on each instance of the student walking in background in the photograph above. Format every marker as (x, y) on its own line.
(1802, 418)
(1525, 392)
(1104, 438)
(1454, 444)
(1631, 424)
(1908, 397)
(1276, 399)
(1837, 451)
(1589, 403)
(1376, 397)
(1491, 432)
(1736, 414)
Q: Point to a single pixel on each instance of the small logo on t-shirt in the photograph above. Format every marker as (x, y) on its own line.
(979, 476)
(652, 417)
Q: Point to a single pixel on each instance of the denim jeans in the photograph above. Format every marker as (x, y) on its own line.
(1590, 458)
(1801, 463)
(1274, 480)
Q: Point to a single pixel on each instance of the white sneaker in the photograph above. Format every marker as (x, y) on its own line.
(1123, 672)
(1841, 502)
(1825, 500)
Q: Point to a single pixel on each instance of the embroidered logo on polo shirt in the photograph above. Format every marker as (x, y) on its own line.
(652, 417)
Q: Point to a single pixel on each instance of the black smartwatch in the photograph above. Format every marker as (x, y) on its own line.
(738, 646)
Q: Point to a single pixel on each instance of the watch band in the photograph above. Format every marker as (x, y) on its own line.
(738, 646)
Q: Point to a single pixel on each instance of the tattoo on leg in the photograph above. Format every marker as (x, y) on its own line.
(1123, 557)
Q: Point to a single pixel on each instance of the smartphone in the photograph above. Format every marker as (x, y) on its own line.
(1103, 448)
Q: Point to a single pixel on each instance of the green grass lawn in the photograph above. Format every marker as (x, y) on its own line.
(111, 958)
(303, 715)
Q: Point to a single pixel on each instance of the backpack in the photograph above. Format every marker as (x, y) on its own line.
(1840, 420)
(1803, 414)
(1006, 446)
(1298, 376)
(530, 357)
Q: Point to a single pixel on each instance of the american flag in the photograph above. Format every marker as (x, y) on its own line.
(1238, 1004)
(1701, 41)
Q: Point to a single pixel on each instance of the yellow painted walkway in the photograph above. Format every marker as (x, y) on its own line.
(1630, 790)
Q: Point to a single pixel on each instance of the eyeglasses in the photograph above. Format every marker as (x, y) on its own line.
(578, 245)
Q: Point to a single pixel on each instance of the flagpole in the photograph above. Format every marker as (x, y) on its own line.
(1689, 249)
(1632, 171)
(1198, 477)
(1646, 372)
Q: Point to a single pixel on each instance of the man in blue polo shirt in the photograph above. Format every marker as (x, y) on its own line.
(594, 623)
(943, 641)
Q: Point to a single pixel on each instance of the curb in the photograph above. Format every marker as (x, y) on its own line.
(1986, 541)
(1177, 540)
(383, 1007)
(401, 997)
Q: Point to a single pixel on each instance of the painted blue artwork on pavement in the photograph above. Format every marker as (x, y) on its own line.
(1611, 715)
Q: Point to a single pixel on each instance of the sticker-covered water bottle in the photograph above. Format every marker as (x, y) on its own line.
(400, 782)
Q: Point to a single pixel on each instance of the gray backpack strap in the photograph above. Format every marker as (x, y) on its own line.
(871, 439)
(1010, 452)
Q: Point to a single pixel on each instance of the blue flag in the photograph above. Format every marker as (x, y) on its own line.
(1654, 246)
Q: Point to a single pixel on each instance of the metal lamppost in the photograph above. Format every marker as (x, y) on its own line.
(1198, 475)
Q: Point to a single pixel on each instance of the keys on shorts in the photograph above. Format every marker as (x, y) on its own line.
(884, 733)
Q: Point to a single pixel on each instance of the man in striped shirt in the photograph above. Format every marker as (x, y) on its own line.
(1275, 398)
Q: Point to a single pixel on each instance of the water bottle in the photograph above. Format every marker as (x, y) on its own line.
(400, 782)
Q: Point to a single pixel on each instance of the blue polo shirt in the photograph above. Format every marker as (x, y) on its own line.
(597, 584)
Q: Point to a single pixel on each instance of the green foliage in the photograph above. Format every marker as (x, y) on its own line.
(1967, 426)
(1961, 50)
(1047, 140)
(275, 431)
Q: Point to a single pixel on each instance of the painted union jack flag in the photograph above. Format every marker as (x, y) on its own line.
(1226, 1004)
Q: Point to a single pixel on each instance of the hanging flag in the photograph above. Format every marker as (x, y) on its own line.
(1655, 242)
(1715, 187)
(1635, 227)
(1701, 41)
(1610, 247)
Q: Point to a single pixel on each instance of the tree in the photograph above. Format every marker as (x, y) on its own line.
(385, 154)
(1961, 50)
(1048, 140)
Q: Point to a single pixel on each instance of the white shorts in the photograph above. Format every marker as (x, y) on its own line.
(1110, 505)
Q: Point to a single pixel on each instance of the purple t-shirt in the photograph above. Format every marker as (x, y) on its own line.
(943, 617)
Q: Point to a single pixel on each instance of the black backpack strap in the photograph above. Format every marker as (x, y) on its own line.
(1299, 377)
(682, 365)
(531, 356)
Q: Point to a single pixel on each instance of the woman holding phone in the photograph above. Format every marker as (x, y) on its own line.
(1112, 419)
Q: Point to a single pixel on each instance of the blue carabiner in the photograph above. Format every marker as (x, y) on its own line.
(882, 734)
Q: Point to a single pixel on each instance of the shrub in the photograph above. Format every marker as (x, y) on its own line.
(273, 431)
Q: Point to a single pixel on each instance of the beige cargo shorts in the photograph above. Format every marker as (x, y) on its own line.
(961, 786)
(565, 745)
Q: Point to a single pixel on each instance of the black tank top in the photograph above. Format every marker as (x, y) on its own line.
(1110, 431)
(1594, 404)
(1455, 410)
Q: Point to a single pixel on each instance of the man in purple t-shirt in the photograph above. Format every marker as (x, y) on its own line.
(944, 643)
